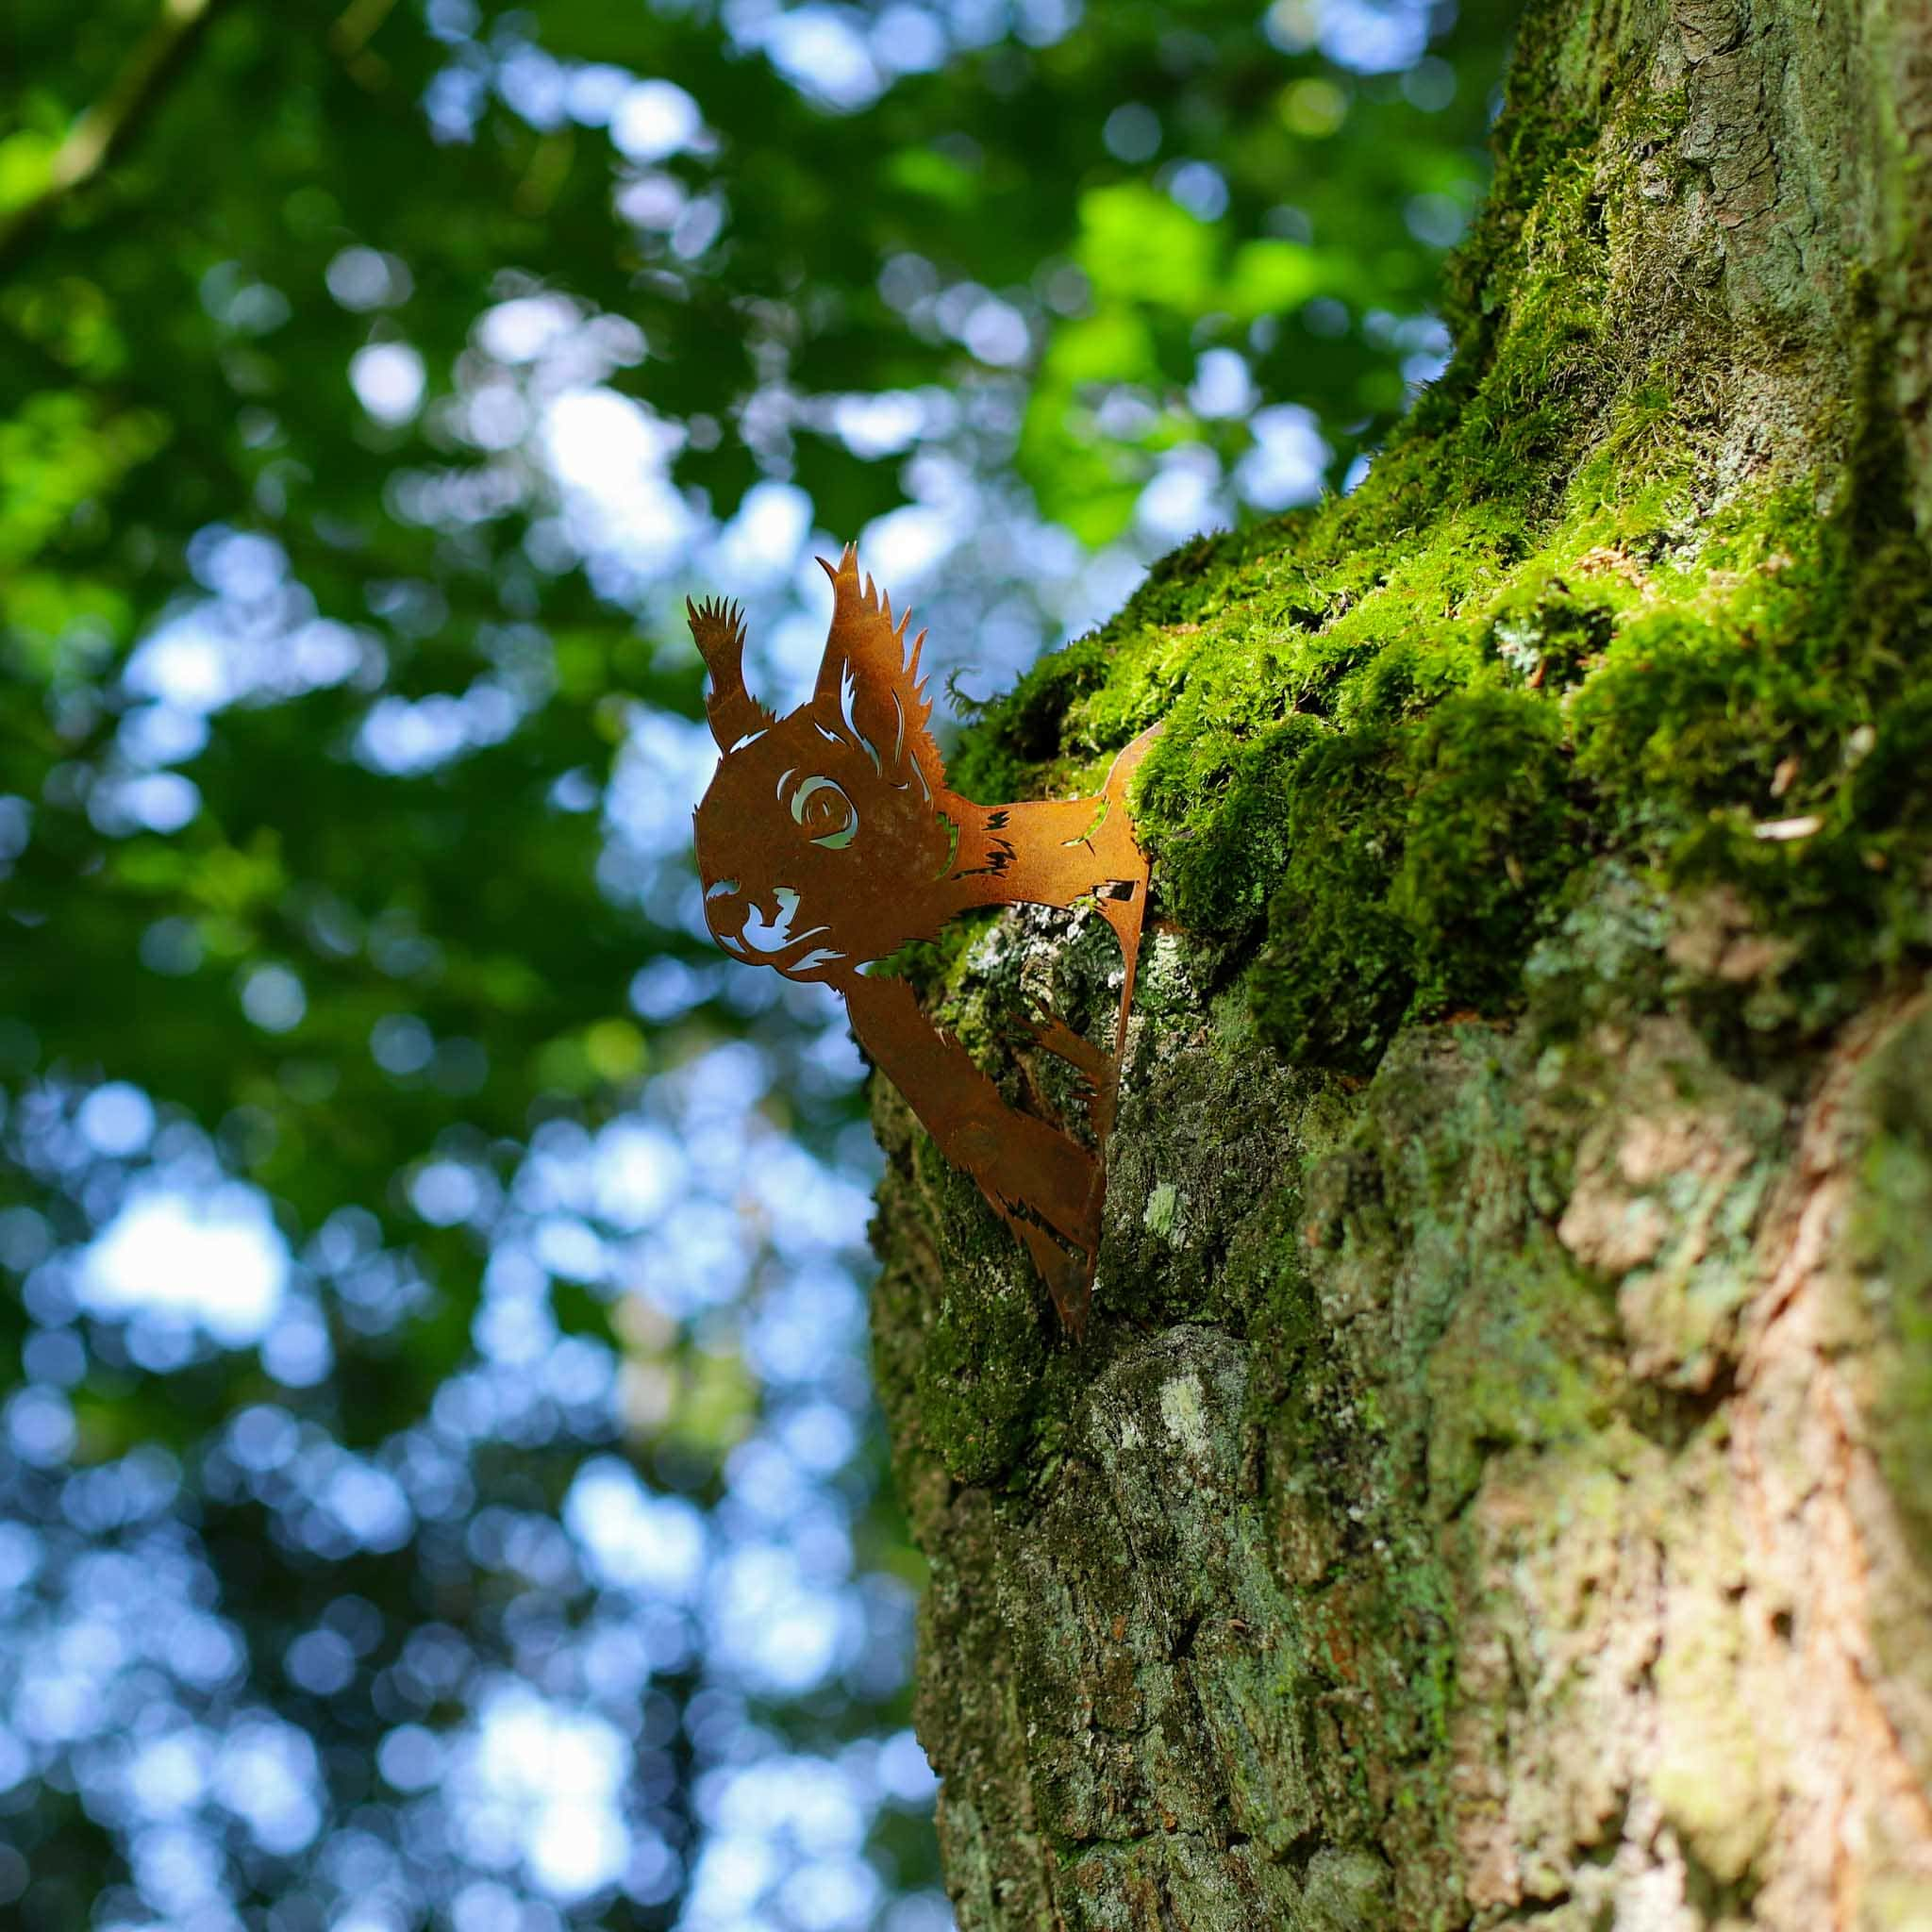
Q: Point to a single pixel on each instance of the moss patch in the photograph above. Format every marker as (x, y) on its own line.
(1404, 727)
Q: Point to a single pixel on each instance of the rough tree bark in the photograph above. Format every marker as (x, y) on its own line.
(1498, 1486)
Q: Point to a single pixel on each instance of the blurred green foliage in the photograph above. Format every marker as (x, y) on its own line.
(314, 675)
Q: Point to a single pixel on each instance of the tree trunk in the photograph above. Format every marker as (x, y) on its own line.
(1497, 1485)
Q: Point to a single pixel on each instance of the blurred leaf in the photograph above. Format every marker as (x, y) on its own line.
(1136, 245)
(348, 739)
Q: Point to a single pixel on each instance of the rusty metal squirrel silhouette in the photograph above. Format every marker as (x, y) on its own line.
(830, 838)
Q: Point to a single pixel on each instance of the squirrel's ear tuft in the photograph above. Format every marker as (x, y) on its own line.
(718, 630)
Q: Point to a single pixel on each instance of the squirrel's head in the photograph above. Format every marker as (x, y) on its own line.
(824, 836)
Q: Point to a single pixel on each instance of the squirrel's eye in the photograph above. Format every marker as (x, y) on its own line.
(826, 812)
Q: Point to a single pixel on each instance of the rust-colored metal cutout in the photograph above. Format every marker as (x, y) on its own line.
(830, 838)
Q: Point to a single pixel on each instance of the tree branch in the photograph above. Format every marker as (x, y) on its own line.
(103, 132)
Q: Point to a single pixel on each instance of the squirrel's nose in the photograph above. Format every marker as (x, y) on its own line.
(750, 923)
(753, 924)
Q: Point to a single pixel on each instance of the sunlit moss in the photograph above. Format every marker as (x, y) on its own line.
(1400, 727)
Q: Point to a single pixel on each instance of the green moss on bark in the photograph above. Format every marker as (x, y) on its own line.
(1401, 725)
(1402, 757)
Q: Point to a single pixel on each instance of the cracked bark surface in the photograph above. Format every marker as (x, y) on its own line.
(1497, 1491)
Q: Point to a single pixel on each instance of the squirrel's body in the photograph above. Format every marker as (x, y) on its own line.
(830, 838)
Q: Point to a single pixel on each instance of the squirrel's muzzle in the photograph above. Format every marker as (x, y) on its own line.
(765, 928)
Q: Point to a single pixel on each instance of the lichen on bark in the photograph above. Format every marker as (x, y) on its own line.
(1494, 1487)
